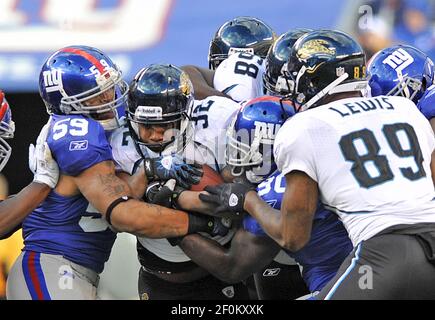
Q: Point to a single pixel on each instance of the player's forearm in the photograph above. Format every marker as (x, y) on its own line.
(211, 256)
(15, 209)
(202, 80)
(189, 201)
(269, 218)
(137, 182)
(148, 220)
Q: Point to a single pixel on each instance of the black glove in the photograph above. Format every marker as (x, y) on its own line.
(172, 167)
(165, 195)
(214, 226)
(228, 197)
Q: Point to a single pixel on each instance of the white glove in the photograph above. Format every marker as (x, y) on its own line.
(41, 162)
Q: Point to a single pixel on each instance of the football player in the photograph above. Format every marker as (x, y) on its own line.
(251, 137)
(400, 70)
(162, 118)
(68, 238)
(358, 155)
(405, 71)
(14, 209)
(240, 38)
(244, 76)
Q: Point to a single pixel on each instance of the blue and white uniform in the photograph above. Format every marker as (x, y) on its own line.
(66, 229)
(205, 145)
(329, 244)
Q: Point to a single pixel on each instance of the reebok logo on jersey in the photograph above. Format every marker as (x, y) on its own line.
(271, 272)
(78, 145)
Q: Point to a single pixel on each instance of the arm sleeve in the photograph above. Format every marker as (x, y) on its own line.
(251, 225)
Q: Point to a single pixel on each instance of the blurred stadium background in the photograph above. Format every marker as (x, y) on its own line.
(139, 32)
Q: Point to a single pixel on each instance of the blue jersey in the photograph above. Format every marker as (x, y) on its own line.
(70, 226)
(329, 244)
(427, 103)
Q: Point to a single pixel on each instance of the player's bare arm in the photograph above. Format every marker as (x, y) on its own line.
(290, 227)
(13, 210)
(137, 182)
(100, 185)
(432, 166)
(202, 80)
(189, 201)
(432, 123)
(246, 255)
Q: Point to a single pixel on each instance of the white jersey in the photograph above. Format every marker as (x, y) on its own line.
(240, 76)
(212, 115)
(370, 157)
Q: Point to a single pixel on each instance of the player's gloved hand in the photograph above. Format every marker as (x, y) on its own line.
(41, 163)
(172, 167)
(163, 194)
(220, 227)
(227, 197)
(214, 226)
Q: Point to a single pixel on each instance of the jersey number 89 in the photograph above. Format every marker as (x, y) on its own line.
(373, 156)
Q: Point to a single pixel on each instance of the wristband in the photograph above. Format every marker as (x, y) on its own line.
(199, 223)
(113, 205)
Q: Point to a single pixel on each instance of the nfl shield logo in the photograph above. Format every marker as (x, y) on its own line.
(339, 71)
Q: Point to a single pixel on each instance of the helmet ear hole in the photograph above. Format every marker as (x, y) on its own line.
(423, 84)
(65, 109)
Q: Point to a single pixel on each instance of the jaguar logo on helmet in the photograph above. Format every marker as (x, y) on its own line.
(185, 84)
(315, 46)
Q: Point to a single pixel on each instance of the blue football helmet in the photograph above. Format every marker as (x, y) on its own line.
(251, 135)
(83, 80)
(400, 70)
(241, 34)
(7, 129)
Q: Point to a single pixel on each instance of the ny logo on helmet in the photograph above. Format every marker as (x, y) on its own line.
(399, 60)
(52, 80)
(266, 132)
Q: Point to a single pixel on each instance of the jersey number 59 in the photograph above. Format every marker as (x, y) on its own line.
(75, 127)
